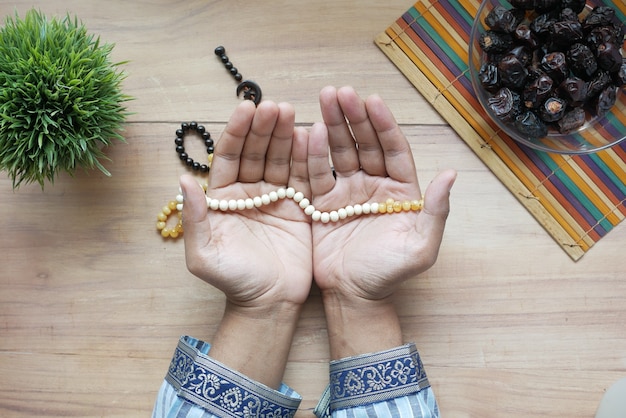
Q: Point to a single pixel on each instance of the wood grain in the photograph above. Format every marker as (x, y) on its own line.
(93, 300)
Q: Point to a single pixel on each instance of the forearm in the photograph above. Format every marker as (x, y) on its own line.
(358, 326)
(256, 341)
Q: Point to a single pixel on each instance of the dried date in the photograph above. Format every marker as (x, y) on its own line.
(582, 61)
(529, 125)
(553, 109)
(572, 120)
(605, 100)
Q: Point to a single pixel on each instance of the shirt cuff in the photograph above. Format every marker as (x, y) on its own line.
(372, 378)
(221, 391)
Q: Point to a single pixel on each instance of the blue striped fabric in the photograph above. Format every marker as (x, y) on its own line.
(389, 383)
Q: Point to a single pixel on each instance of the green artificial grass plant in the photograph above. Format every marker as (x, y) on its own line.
(60, 98)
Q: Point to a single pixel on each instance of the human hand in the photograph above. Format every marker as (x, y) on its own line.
(369, 256)
(359, 262)
(262, 256)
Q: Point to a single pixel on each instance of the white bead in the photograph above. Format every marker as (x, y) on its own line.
(309, 210)
(265, 198)
(298, 197)
(232, 204)
(366, 208)
(343, 213)
(350, 210)
(316, 216)
(179, 207)
(325, 217)
(358, 209)
(374, 207)
(282, 193)
(241, 204)
(215, 204)
(290, 192)
(249, 203)
(334, 216)
(223, 205)
(257, 201)
(304, 203)
(208, 201)
(179, 198)
(273, 196)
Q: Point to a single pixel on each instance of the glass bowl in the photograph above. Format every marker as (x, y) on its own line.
(596, 134)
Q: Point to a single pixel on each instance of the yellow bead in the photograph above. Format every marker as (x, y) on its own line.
(174, 233)
(210, 159)
(165, 232)
(390, 208)
(166, 210)
(406, 205)
(416, 204)
(382, 207)
(160, 225)
(172, 204)
(162, 217)
(389, 201)
(397, 206)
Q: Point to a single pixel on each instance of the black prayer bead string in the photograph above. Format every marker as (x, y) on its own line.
(180, 145)
(250, 89)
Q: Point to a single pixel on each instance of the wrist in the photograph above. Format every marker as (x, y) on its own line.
(256, 341)
(358, 326)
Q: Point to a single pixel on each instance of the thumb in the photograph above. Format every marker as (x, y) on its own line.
(194, 211)
(432, 220)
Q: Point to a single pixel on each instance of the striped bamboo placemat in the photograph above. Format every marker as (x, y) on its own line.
(577, 199)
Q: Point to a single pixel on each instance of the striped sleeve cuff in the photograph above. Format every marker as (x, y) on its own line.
(373, 378)
(221, 391)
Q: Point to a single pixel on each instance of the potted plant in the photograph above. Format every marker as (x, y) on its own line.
(60, 98)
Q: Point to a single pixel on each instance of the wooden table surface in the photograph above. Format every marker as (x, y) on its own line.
(93, 300)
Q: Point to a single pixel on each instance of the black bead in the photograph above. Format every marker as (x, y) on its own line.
(220, 50)
(208, 142)
(183, 156)
(224, 58)
(228, 65)
(184, 126)
(238, 77)
(196, 166)
(210, 150)
(179, 141)
(204, 168)
(201, 129)
(206, 135)
(180, 133)
(189, 161)
(193, 125)
(234, 71)
(180, 149)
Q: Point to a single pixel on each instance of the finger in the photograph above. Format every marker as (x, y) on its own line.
(398, 157)
(432, 220)
(320, 173)
(278, 159)
(299, 174)
(197, 231)
(369, 150)
(253, 155)
(227, 154)
(342, 146)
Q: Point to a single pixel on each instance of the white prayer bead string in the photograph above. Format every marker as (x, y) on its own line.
(388, 206)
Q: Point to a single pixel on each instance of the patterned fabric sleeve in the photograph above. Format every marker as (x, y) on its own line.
(390, 383)
(196, 386)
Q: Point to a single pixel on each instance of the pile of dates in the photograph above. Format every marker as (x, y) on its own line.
(546, 67)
